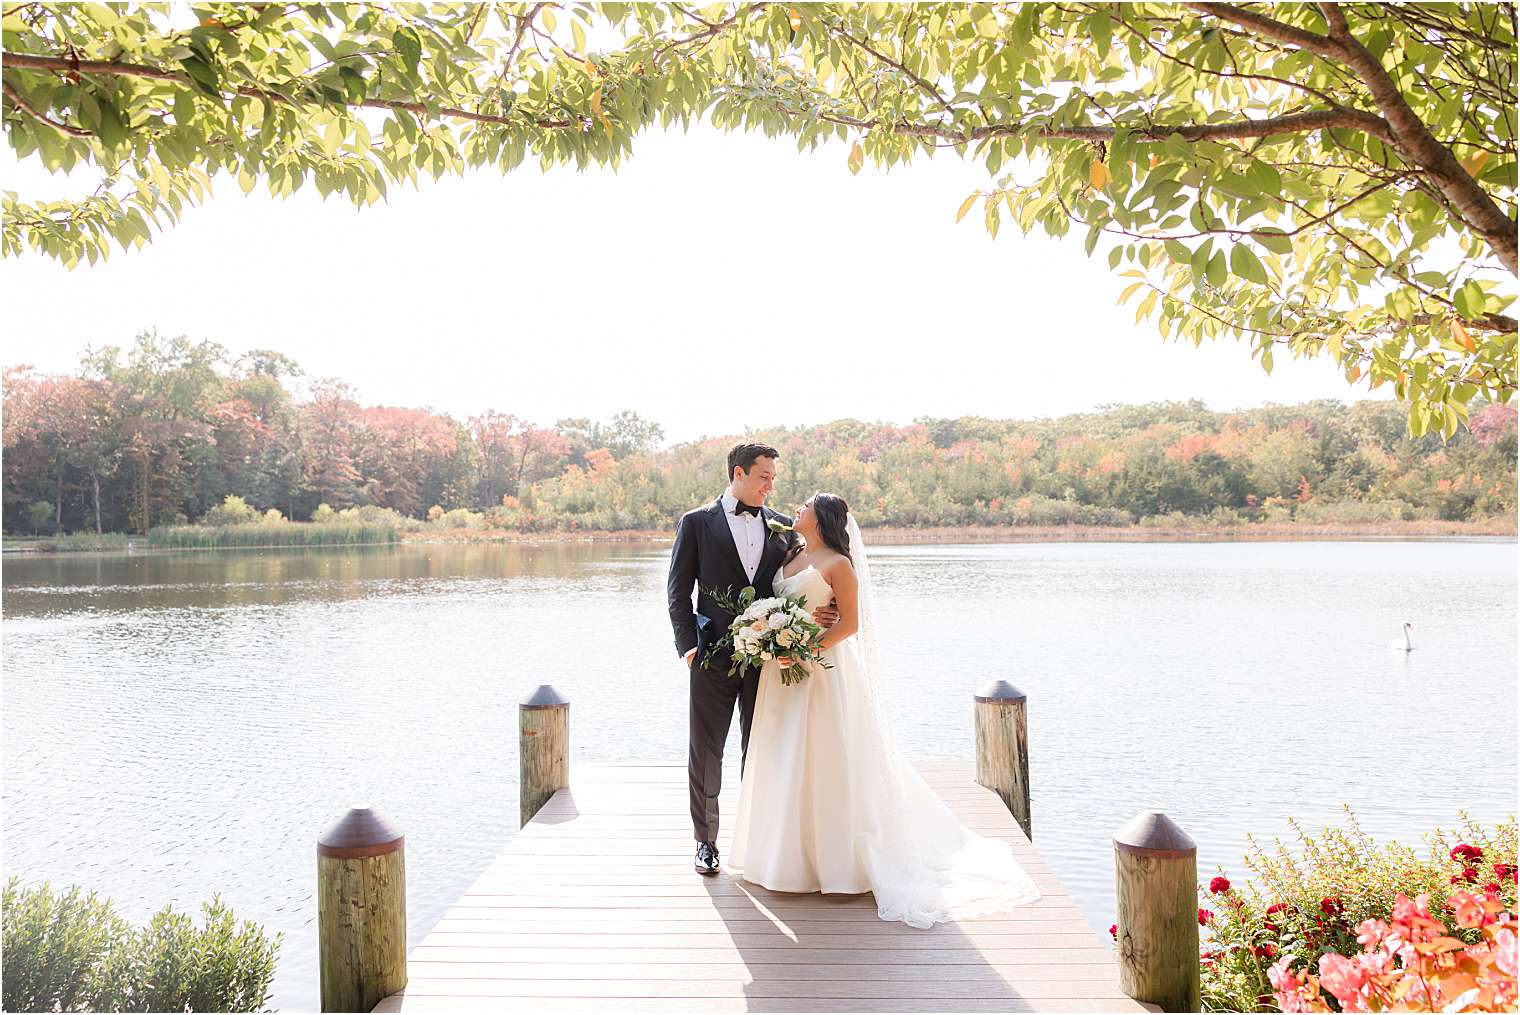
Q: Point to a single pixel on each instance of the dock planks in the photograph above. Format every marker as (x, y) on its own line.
(594, 907)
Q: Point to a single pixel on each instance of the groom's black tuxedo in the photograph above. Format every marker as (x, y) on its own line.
(704, 554)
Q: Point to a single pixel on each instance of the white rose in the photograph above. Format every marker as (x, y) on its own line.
(767, 656)
(778, 620)
(785, 638)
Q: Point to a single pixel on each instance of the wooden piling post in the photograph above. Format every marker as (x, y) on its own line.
(1156, 873)
(543, 749)
(361, 911)
(1002, 747)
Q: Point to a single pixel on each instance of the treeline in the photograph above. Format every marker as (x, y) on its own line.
(164, 432)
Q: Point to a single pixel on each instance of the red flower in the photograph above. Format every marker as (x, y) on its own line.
(1277, 907)
(1265, 951)
(1469, 874)
(1271, 927)
(1331, 905)
(1113, 929)
(1492, 889)
(1463, 851)
(1204, 917)
(1219, 885)
(1504, 870)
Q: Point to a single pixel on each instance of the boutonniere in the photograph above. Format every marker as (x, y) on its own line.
(776, 527)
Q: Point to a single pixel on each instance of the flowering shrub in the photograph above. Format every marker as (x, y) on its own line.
(1302, 906)
(1414, 964)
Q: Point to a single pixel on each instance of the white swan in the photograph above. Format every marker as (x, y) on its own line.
(1406, 645)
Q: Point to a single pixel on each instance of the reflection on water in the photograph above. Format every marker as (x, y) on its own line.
(179, 724)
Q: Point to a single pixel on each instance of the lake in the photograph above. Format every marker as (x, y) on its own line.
(178, 724)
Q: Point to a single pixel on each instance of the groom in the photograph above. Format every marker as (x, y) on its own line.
(723, 546)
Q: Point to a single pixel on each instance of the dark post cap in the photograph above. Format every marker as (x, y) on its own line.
(1000, 690)
(1151, 833)
(545, 697)
(363, 831)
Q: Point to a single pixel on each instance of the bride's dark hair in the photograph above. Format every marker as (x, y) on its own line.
(833, 515)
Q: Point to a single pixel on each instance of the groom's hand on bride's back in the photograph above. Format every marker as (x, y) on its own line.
(826, 616)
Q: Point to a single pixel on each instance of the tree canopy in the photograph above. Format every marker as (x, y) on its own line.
(167, 429)
(1326, 179)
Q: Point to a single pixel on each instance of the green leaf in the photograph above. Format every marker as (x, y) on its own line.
(408, 47)
(203, 76)
(1273, 240)
(1245, 264)
(1218, 271)
(110, 128)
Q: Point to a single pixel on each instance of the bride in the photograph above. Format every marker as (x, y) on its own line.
(827, 803)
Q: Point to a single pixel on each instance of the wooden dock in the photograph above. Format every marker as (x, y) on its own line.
(594, 907)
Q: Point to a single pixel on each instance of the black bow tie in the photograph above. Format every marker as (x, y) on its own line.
(741, 507)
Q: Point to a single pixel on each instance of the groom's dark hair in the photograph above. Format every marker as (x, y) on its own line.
(745, 456)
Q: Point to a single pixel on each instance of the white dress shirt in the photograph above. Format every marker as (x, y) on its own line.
(749, 534)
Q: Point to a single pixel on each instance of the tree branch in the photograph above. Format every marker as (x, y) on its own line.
(26, 107)
(111, 67)
(1292, 123)
(1416, 140)
(1407, 132)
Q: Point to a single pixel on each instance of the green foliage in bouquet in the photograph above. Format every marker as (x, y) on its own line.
(764, 645)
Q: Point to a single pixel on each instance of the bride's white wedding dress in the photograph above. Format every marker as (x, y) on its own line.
(828, 803)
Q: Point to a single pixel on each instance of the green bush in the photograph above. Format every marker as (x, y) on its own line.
(1352, 512)
(459, 518)
(86, 541)
(232, 511)
(56, 949)
(39, 515)
(71, 952)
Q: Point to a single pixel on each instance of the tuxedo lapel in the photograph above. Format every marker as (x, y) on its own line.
(717, 526)
(772, 550)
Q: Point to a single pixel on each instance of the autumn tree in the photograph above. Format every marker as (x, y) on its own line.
(330, 426)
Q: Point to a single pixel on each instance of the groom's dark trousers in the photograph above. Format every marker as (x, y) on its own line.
(704, 555)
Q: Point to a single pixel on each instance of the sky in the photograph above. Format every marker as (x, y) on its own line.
(715, 282)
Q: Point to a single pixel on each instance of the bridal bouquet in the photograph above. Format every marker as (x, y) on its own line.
(771, 628)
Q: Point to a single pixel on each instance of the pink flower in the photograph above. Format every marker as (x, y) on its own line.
(1292, 991)
(1469, 910)
(1346, 980)
(1505, 952)
(1407, 910)
(1219, 885)
(1372, 933)
(1205, 917)
(1113, 929)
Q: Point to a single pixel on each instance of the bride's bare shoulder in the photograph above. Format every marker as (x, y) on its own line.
(834, 563)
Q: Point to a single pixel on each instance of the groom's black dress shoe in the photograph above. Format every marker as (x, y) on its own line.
(707, 859)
